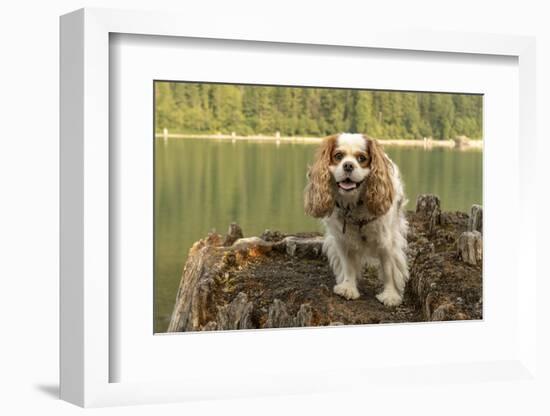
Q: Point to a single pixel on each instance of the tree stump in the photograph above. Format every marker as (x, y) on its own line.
(476, 219)
(470, 247)
(279, 280)
(428, 206)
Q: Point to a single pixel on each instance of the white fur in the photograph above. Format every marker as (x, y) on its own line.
(380, 242)
(356, 140)
(348, 143)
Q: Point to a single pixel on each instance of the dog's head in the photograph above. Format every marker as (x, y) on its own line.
(349, 167)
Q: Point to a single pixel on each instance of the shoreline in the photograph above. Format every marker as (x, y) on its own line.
(426, 143)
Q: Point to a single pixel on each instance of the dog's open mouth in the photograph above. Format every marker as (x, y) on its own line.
(348, 185)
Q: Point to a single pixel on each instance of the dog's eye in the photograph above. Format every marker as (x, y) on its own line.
(361, 158)
(338, 156)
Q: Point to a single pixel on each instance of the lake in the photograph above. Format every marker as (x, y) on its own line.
(203, 185)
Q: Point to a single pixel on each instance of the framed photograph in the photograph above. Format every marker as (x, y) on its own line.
(281, 213)
(207, 179)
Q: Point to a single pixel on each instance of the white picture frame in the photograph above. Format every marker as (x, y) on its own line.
(86, 356)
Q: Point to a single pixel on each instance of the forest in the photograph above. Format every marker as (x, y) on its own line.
(206, 108)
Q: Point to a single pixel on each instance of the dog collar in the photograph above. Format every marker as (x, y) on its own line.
(347, 217)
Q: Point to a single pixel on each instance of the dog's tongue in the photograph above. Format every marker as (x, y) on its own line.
(347, 185)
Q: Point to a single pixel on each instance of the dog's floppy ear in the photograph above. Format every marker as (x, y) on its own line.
(379, 188)
(318, 198)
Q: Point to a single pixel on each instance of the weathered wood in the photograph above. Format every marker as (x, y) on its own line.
(279, 280)
(304, 317)
(277, 316)
(428, 206)
(189, 301)
(476, 219)
(470, 247)
(233, 234)
(461, 141)
(303, 247)
(236, 315)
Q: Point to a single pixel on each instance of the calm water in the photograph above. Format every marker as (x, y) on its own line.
(204, 185)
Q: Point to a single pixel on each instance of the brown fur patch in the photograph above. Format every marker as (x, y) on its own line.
(318, 198)
(379, 190)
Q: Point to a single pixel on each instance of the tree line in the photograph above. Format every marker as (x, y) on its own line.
(195, 108)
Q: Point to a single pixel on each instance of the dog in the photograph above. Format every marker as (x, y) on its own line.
(356, 189)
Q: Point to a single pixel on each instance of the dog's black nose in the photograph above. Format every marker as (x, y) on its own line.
(348, 167)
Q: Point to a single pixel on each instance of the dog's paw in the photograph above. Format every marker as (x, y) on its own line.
(390, 298)
(347, 290)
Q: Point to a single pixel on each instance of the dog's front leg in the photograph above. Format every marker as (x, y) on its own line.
(349, 269)
(391, 276)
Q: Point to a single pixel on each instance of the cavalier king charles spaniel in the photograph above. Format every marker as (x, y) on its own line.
(357, 191)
